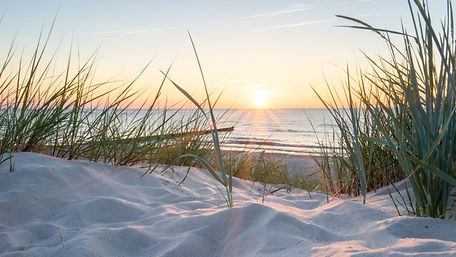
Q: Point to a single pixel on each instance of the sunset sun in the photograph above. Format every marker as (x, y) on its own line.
(260, 100)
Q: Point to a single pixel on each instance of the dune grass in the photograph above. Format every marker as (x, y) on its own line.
(355, 164)
(68, 115)
(400, 121)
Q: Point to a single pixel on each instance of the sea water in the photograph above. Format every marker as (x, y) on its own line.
(289, 131)
(292, 131)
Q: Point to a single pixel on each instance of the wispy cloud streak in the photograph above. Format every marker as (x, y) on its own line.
(286, 11)
(128, 32)
(354, 2)
(294, 25)
(139, 31)
(102, 32)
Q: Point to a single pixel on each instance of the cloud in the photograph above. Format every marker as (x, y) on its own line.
(128, 32)
(294, 25)
(354, 2)
(283, 11)
(101, 32)
(139, 31)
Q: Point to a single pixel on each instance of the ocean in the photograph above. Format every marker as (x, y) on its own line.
(289, 131)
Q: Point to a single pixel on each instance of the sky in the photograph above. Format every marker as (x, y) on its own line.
(260, 53)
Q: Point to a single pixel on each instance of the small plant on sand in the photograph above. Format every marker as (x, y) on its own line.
(272, 174)
(224, 178)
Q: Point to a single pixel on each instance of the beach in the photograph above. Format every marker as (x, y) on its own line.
(55, 207)
(227, 128)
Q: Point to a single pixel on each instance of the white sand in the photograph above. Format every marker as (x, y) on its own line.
(53, 207)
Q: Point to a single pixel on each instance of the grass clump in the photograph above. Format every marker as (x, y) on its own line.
(259, 168)
(408, 113)
(354, 164)
(70, 116)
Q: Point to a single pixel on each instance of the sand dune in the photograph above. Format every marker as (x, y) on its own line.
(53, 207)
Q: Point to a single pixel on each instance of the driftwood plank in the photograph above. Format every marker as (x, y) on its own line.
(171, 136)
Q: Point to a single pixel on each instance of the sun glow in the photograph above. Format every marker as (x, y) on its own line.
(260, 100)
